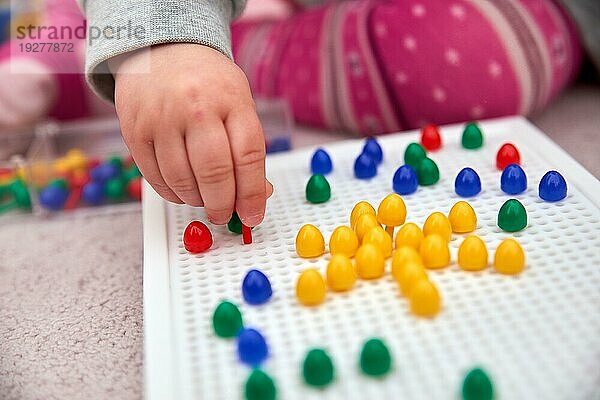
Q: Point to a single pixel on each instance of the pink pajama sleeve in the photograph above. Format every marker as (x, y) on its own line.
(379, 66)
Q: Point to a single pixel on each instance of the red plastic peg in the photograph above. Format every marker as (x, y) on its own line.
(93, 163)
(246, 234)
(430, 137)
(134, 188)
(507, 154)
(76, 182)
(197, 237)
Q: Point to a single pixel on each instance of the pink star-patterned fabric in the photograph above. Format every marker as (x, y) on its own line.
(372, 67)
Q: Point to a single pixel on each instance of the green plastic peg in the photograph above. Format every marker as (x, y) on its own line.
(477, 386)
(116, 161)
(20, 195)
(472, 138)
(227, 320)
(115, 189)
(428, 172)
(131, 173)
(5, 188)
(260, 386)
(318, 189)
(375, 358)
(414, 154)
(512, 216)
(235, 224)
(317, 368)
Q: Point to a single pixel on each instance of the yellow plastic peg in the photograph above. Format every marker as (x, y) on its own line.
(472, 254)
(364, 224)
(370, 263)
(359, 209)
(343, 240)
(379, 238)
(391, 212)
(438, 224)
(409, 275)
(509, 258)
(310, 242)
(425, 299)
(310, 288)
(462, 217)
(403, 256)
(435, 252)
(409, 235)
(341, 274)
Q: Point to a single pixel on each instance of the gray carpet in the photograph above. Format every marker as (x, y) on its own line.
(71, 308)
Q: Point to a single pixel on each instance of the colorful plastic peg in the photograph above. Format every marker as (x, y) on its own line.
(512, 216)
(414, 154)
(317, 368)
(341, 274)
(467, 183)
(310, 288)
(513, 179)
(260, 386)
(428, 172)
(477, 386)
(405, 180)
(438, 223)
(553, 186)
(197, 238)
(370, 263)
(365, 167)
(509, 258)
(472, 254)
(320, 163)
(227, 320)
(425, 299)
(310, 242)
(472, 138)
(462, 217)
(375, 358)
(434, 252)
(359, 209)
(318, 189)
(252, 347)
(430, 137)
(373, 150)
(507, 154)
(256, 287)
(343, 241)
(391, 212)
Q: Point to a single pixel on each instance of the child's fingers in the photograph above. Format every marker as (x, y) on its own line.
(248, 152)
(145, 158)
(175, 168)
(208, 151)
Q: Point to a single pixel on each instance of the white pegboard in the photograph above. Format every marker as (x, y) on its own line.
(536, 334)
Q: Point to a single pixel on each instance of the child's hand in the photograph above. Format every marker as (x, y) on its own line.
(191, 126)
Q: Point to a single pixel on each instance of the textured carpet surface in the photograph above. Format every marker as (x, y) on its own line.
(71, 287)
(71, 308)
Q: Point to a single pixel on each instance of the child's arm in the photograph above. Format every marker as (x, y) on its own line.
(185, 108)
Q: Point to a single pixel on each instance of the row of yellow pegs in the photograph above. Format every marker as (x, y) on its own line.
(416, 250)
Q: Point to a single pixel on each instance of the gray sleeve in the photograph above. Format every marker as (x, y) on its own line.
(116, 27)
